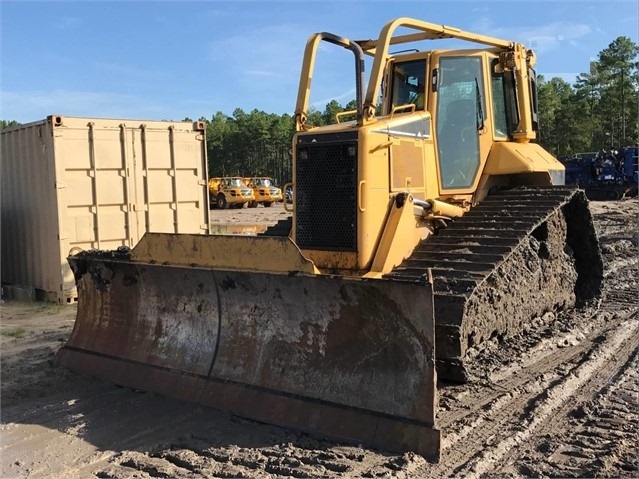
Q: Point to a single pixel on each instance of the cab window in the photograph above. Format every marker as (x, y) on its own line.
(408, 81)
(505, 112)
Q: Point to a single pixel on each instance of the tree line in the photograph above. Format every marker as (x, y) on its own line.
(600, 110)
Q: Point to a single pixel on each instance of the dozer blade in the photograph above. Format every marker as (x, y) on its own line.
(347, 358)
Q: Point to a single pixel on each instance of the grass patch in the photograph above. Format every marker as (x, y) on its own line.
(48, 307)
(13, 333)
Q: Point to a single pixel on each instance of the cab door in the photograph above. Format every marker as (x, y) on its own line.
(460, 115)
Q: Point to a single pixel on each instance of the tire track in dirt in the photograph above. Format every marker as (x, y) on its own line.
(549, 397)
(596, 437)
(493, 393)
(492, 411)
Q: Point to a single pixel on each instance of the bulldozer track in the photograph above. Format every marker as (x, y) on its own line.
(562, 339)
(476, 250)
(585, 353)
(466, 252)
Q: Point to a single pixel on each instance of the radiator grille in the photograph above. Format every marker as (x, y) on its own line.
(326, 195)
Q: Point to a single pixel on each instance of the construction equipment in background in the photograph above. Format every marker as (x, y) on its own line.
(607, 175)
(416, 234)
(229, 192)
(265, 190)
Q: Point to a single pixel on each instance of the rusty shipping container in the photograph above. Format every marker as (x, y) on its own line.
(87, 183)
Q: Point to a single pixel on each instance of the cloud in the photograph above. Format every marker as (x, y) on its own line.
(26, 106)
(550, 37)
(67, 23)
(273, 50)
(540, 38)
(121, 69)
(321, 104)
(260, 73)
(259, 67)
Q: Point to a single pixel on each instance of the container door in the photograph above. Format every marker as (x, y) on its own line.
(96, 194)
(168, 170)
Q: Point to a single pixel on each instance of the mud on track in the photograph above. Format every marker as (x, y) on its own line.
(560, 400)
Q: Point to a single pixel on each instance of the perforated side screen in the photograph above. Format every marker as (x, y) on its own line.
(326, 195)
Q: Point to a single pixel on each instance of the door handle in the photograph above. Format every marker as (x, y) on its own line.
(360, 195)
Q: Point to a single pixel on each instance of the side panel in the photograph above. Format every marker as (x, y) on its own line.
(30, 230)
(508, 158)
(351, 359)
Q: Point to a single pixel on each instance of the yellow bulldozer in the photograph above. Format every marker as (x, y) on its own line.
(427, 223)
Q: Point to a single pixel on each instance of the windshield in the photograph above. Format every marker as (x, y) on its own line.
(235, 182)
(263, 182)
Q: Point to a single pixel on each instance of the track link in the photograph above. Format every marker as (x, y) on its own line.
(511, 245)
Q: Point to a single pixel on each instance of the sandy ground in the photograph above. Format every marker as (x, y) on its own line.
(560, 400)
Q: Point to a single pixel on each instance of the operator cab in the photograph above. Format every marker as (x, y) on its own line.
(455, 87)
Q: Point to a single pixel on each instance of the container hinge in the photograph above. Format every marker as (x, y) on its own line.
(63, 236)
(60, 186)
(202, 183)
(204, 227)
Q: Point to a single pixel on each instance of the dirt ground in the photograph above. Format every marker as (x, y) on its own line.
(560, 400)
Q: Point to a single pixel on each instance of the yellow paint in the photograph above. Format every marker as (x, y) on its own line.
(508, 158)
(402, 230)
(238, 253)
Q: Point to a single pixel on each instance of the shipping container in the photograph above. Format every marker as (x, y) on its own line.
(73, 183)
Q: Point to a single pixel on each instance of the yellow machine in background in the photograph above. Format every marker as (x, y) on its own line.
(415, 235)
(229, 193)
(265, 190)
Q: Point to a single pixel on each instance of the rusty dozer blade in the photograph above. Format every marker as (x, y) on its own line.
(347, 358)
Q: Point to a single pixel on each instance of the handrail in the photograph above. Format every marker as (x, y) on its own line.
(303, 94)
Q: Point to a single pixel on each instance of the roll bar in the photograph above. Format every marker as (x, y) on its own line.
(515, 58)
(303, 94)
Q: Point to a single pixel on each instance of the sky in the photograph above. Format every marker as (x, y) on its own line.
(168, 60)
